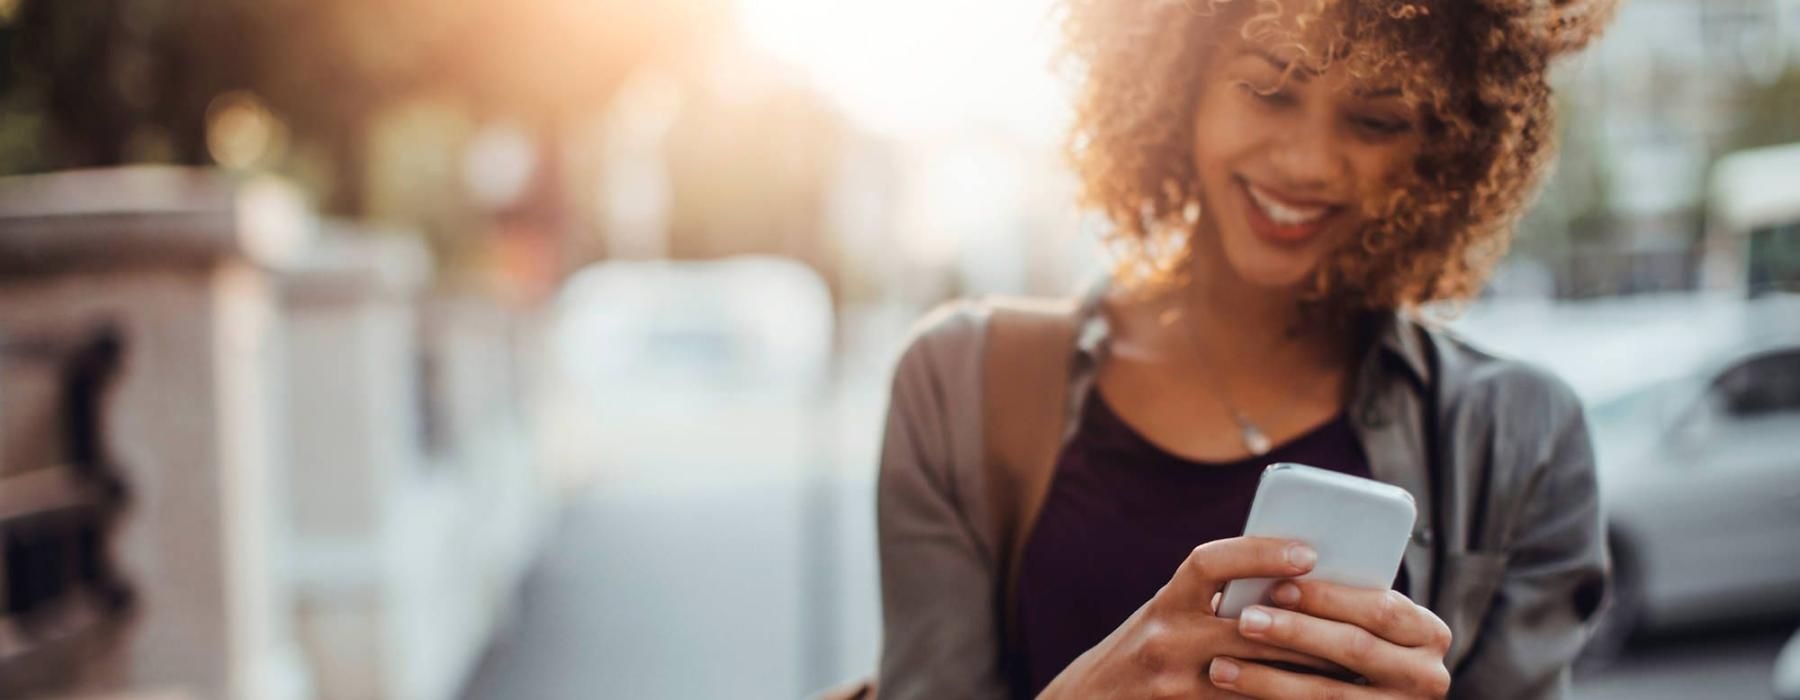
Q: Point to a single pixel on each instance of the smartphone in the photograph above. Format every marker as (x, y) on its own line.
(1358, 526)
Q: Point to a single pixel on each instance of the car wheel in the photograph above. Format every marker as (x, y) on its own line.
(1623, 613)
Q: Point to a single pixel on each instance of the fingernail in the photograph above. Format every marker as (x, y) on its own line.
(1302, 556)
(1255, 620)
(1286, 593)
(1223, 670)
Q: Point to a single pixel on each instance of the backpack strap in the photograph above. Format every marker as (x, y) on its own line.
(1024, 388)
(1025, 375)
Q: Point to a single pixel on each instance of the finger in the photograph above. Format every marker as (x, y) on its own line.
(1216, 693)
(1384, 662)
(1210, 565)
(1220, 636)
(1388, 614)
(1259, 681)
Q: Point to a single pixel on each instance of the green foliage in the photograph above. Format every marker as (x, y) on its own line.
(107, 82)
(1770, 113)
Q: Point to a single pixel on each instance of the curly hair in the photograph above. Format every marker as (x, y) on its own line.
(1476, 69)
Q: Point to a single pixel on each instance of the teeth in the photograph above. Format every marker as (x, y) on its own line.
(1284, 214)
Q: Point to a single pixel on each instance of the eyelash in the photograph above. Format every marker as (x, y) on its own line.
(1381, 128)
(1277, 97)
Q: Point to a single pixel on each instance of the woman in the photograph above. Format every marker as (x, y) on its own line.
(1288, 182)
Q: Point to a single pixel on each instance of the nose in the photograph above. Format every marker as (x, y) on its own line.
(1308, 158)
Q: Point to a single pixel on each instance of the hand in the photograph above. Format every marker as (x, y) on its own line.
(1395, 644)
(1163, 649)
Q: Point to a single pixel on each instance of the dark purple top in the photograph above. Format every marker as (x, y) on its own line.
(1121, 515)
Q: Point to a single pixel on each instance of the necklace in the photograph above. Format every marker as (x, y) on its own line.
(1255, 439)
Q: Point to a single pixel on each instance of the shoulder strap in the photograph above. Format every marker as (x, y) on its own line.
(1024, 386)
(1025, 375)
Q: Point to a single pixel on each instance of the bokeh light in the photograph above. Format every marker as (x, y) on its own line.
(240, 130)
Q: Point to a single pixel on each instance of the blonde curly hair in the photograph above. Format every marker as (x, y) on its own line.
(1476, 69)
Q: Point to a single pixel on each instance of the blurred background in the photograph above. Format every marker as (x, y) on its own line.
(424, 350)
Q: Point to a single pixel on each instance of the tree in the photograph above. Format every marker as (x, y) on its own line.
(109, 82)
(1770, 113)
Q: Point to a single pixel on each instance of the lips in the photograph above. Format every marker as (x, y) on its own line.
(1282, 220)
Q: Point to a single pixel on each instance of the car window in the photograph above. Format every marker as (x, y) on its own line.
(1745, 394)
(1774, 259)
(1761, 386)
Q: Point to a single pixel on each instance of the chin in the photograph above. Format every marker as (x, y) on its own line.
(1263, 266)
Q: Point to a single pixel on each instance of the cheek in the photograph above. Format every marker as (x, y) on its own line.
(1381, 169)
(1222, 129)
(1204, 148)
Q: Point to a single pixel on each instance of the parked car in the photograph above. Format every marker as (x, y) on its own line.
(1694, 407)
(1753, 221)
(1701, 481)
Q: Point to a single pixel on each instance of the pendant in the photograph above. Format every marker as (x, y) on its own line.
(1255, 439)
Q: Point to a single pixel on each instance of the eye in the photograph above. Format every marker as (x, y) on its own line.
(1381, 127)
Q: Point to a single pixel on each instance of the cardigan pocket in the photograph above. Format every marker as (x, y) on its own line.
(1467, 585)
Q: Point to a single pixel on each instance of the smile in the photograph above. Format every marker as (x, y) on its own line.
(1282, 220)
(1285, 214)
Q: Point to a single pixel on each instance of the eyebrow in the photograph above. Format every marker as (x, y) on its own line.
(1378, 93)
(1276, 61)
(1304, 74)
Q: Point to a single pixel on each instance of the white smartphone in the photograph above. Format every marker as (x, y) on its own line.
(1358, 526)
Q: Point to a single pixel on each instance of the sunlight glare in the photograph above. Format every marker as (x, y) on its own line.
(922, 65)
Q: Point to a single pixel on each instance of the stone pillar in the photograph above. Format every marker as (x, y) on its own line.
(497, 507)
(415, 500)
(175, 260)
(354, 398)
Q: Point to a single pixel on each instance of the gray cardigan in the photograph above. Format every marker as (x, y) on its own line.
(1508, 549)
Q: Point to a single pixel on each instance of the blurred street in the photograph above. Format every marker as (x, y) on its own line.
(715, 575)
(653, 593)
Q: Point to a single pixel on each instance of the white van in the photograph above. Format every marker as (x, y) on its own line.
(1753, 225)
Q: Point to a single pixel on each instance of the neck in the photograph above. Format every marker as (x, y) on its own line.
(1266, 325)
(1217, 303)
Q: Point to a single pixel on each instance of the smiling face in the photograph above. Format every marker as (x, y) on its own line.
(1168, 121)
(1285, 159)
